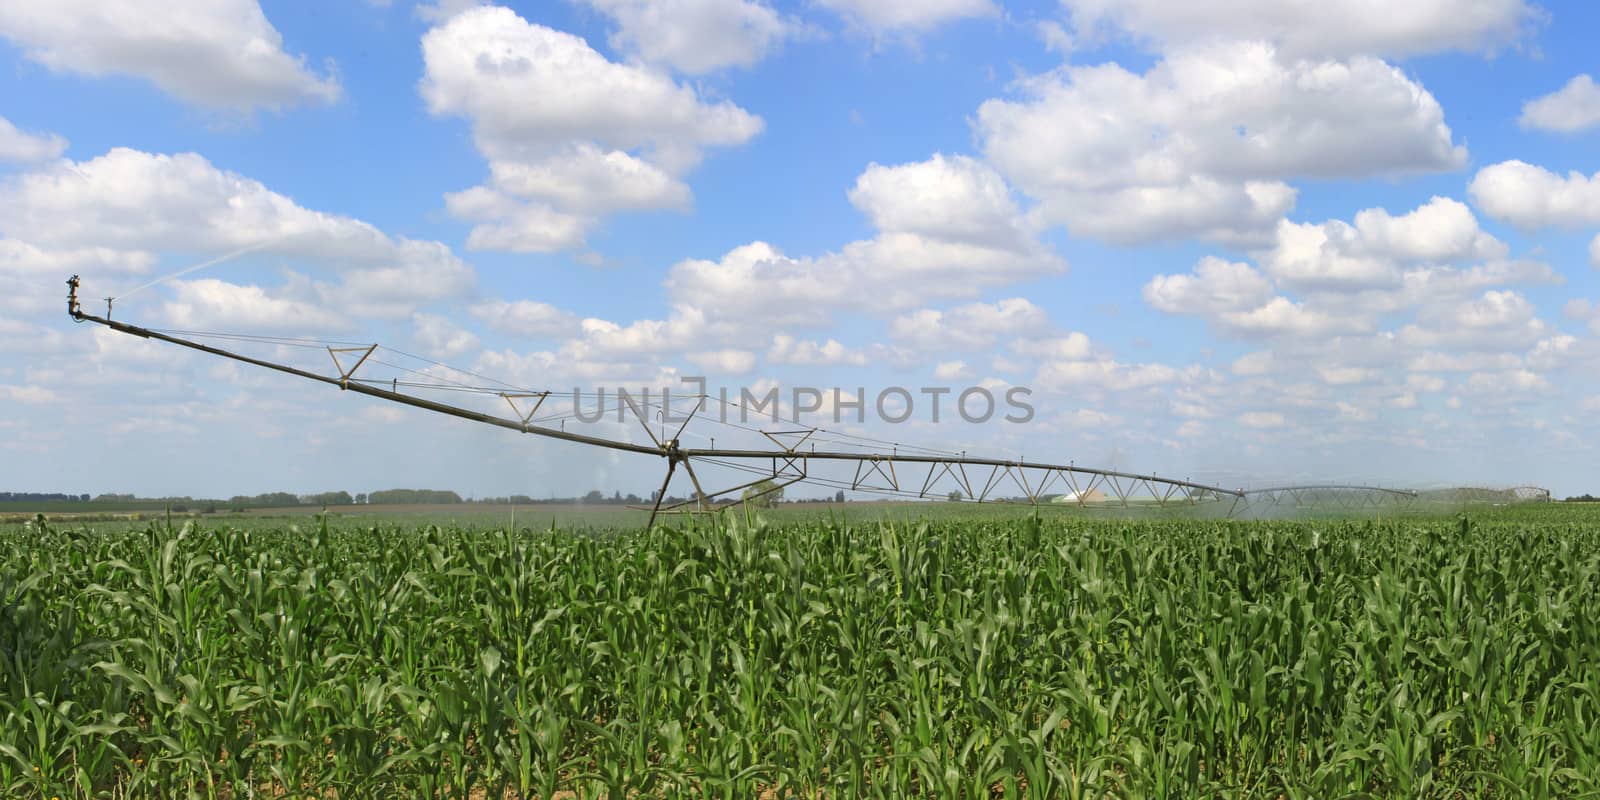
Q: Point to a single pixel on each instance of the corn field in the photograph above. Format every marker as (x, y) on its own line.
(1057, 658)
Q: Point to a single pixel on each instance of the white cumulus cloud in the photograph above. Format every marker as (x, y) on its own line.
(216, 53)
(1373, 252)
(911, 16)
(123, 211)
(602, 137)
(1572, 108)
(21, 147)
(1532, 197)
(982, 241)
(1215, 286)
(975, 326)
(696, 36)
(1328, 28)
(440, 337)
(1200, 145)
(1262, 419)
(528, 318)
(787, 349)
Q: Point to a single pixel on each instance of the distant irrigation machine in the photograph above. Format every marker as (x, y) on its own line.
(786, 457)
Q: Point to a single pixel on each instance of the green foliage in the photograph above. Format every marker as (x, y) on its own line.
(763, 495)
(327, 499)
(413, 497)
(266, 500)
(1049, 657)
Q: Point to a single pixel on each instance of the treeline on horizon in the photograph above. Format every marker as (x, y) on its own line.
(343, 498)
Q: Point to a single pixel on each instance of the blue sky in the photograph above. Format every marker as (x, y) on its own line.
(1268, 243)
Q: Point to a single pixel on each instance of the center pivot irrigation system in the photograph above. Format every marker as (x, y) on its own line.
(903, 471)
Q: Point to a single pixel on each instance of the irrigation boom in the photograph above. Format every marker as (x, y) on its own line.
(786, 464)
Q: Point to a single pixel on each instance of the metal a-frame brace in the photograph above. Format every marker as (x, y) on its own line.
(345, 374)
(786, 471)
(538, 399)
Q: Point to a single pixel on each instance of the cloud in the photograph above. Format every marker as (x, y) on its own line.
(1238, 300)
(1561, 351)
(1349, 278)
(441, 10)
(1532, 197)
(28, 259)
(441, 338)
(909, 263)
(1518, 381)
(1200, 144)
(976, 326)
(1425, 383)
(1072, 347)
(29, 395)
(1574, 107)
(729, 361)
(1261, 419)
(1373, 252)
(1345, 376)
(955, 199)
(21, 147)
(1251, 364)
(696, 36)
(1331, 28)
(214, 53)
(210, 304)
(1102, 374)
(528, 318)
(604, 136)
(787, 349)
(1435, 361)
(1579, 309)
(603, 340)
(1281, 316)
(1215, 286)
(506, 223)
(17, 336)
(1495, 321)
(908, 16)
(120, 212)
(951, 370)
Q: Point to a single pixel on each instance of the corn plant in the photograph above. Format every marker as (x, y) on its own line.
(978, 658)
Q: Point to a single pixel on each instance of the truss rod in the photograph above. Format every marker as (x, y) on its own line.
(970, 460)
(372, 391)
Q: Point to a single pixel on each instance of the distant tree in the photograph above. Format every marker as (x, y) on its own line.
(954, 496)
(361, 498)
(763, 494)
(414, 497)
(40, 497)
(839, 498)
(328, 499)
(594, 496)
